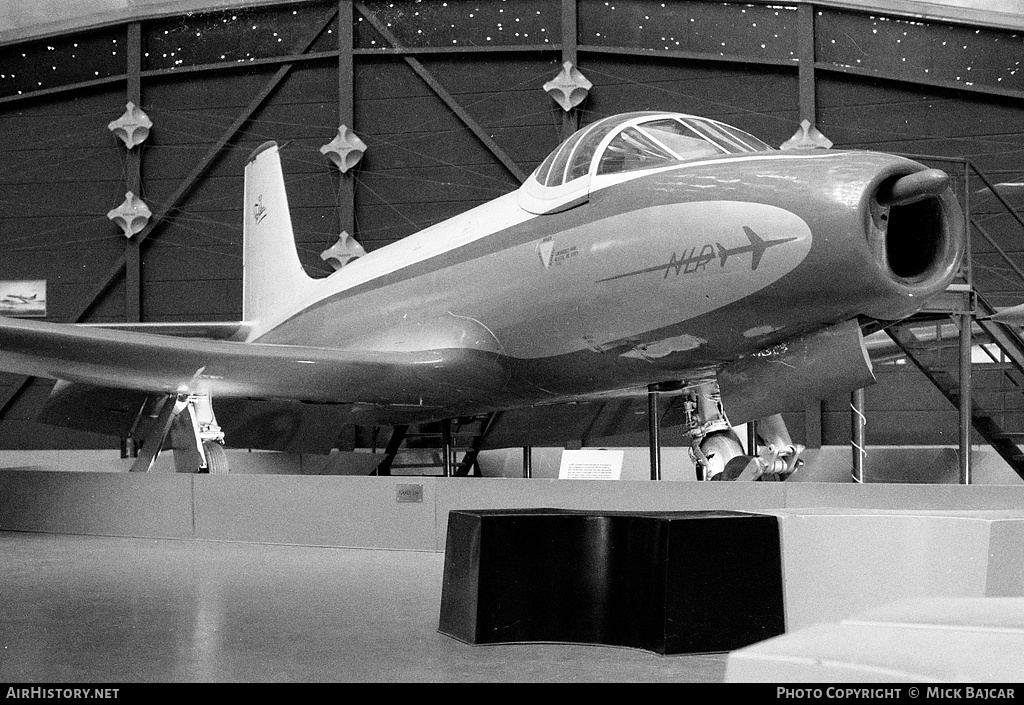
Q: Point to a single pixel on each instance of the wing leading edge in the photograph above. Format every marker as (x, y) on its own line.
(164, 364)
(217, 330)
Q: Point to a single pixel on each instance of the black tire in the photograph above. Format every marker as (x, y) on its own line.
(216, 458)
(773, 477)
(737, 465)
(734, 468)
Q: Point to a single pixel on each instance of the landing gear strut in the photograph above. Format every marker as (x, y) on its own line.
(717, 451)
(196, 438)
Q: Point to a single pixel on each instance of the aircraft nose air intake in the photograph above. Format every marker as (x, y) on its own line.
(916, 231)
(912, 188)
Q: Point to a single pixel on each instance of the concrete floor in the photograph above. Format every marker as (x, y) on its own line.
(81, 609)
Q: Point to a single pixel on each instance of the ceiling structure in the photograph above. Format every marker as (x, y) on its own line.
(21, 20)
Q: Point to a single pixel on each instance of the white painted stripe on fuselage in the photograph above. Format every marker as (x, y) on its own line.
(435, 241)
(476, 224)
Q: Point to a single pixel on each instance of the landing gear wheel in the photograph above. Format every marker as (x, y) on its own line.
(216, 458)
(720, 448)
(735, 468)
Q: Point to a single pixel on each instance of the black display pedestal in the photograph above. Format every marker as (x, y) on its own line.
(670, 582)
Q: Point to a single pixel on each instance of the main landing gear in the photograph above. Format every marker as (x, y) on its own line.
(188, 422)
(717, 451)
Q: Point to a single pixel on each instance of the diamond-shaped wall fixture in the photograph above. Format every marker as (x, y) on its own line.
(346, 249)
(345, 150)
(569, 88)
(132, 215)
(132, 127)
(807, 137)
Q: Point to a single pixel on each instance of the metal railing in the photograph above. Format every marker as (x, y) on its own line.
(974, 324)
(969, 167)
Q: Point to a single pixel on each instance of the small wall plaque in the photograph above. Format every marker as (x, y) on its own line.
(406, 494)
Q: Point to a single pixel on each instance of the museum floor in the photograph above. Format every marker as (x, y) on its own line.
(78, 609)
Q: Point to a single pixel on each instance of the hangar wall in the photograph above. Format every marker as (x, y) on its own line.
(448, 98)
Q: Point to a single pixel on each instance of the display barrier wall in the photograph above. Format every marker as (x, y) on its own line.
(845, 548)
(839, 562)
(105, 504)
(405, 513)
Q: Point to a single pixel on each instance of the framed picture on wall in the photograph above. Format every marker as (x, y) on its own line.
(23, 299)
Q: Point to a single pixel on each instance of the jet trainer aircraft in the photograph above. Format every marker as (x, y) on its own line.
(649, 251)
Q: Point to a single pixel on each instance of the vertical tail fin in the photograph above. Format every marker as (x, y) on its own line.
(273, 280)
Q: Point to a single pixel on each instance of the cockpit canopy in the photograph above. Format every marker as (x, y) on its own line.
(626, 143)
(641, 141)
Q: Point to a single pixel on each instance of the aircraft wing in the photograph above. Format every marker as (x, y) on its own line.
(214, 330)
(260, 388)
(294, 427)
(164, 364)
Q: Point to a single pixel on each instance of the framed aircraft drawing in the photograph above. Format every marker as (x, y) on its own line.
(23, 299)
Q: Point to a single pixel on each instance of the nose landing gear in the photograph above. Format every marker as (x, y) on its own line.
(718, 453)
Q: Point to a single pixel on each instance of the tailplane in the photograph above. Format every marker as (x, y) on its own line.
(273, 280)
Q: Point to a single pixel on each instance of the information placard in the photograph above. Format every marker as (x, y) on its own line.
(591, 465)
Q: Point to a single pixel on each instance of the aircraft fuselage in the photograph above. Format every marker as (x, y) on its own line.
(659, 274)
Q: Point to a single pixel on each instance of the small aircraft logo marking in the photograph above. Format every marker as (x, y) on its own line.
(544, 250)
(756, 248)
(550, 256)
(259, 210)
(693, 261)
